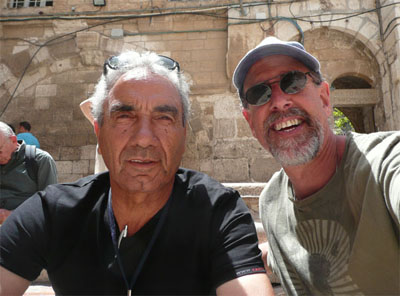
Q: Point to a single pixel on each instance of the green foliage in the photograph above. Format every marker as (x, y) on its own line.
(342, 123)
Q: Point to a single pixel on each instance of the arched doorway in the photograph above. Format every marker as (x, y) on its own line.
(361, 116)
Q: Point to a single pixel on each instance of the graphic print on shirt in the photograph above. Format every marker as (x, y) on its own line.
(320, 254)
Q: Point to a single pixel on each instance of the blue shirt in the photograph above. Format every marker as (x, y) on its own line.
(29, 139)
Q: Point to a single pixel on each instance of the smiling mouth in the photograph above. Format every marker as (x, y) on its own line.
(141, 161)
(287, 125)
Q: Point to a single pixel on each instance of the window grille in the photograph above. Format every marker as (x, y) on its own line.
(29, 3)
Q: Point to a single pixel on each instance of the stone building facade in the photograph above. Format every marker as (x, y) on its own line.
(52, 54)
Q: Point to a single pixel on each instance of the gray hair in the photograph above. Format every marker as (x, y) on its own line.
(138, 65)
(6, 130)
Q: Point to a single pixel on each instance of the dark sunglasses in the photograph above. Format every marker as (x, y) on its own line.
(290, 83)
(115, 63)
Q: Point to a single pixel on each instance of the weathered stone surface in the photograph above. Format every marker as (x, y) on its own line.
(231, 170)
(87, 40)
(64, 73)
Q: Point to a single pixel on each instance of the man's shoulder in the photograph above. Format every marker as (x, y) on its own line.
(374, 144)
(42, 154)
(274, 186)
(93, 186)
(195, 182)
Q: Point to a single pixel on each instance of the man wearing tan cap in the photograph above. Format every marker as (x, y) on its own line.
(332, 213)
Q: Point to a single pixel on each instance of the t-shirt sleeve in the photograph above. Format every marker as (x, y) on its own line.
(235, 249)
(23, 240)
(47, 172)
(389, 176)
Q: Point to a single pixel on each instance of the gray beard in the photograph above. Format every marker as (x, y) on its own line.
(300, 149)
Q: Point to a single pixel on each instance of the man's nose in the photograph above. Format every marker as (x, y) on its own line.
(144, 134)
(280, 101)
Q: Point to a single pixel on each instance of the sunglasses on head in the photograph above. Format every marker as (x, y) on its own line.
(115, 63)
(290, 83)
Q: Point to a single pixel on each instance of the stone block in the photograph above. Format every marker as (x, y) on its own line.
(206, 166)
(61, 65)
(224, 128)
(63, 49)
(93, 58)
(64, 167)
(19, 48)
(67, 178)
(65, 26)
(370, 30)
(209, 54)
(231, 170)
(197, 35)
(16, 63)
(205, 151)
(5, 74)
(175, 36)
(46, 90)
(190, 163)
(185, 45)
(41, 103)
(70, 153)
(217, 35)
(80, 167)
(238, 148)
(42, 56)
(243, 128)
(262, 168)
(226, 106)
(216, 44)
(92, 165)
(87, 40)
(88, 152)
(338, 4)
(31, 79)
(202, 138)
(354, 5)
(22, 31)
(111, 45)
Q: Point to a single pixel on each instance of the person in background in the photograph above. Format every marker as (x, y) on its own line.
(20, 177)
(24, 133)
(331, 215)
(145, 227)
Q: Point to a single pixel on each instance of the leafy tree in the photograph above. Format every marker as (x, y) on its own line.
(342, 123)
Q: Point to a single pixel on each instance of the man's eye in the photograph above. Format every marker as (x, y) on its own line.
(165, 118)
(122, 116)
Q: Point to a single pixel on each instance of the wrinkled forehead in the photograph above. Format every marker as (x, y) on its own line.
(145, 90)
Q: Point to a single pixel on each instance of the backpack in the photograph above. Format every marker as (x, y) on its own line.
(30, 162)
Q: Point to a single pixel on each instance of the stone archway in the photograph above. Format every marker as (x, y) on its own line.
(353, 73)
(359, 94)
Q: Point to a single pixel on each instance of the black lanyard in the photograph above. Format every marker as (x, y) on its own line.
(148, 248)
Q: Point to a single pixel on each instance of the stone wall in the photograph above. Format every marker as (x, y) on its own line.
(51, 57)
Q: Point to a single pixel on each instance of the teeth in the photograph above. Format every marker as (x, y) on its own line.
(138, 161)
(286, 124)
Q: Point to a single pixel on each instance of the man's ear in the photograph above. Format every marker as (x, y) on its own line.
(325, 97)
(247, 115)
(96, 128)
(13, 139)
(97, 132)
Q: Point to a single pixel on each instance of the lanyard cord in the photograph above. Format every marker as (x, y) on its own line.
(148, 248)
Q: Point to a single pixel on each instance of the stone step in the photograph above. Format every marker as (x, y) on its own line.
(245, 189)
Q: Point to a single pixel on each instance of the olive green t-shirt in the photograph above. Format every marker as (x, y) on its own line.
(344, 239)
